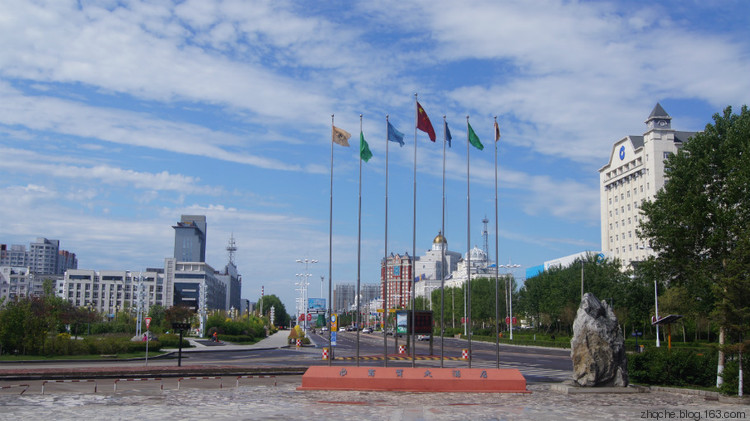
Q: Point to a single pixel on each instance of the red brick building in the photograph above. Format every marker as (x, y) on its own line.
(396, 277)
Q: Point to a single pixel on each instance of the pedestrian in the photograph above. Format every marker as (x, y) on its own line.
(216, 337)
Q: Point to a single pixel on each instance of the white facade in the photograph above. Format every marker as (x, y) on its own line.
(481, 267)
(634, 174)
(429, 266)
(109, 291)
(18, 282)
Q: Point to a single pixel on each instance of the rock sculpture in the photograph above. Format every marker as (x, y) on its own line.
(598, 347)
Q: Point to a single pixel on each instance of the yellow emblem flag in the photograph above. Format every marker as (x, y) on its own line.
(341, 136)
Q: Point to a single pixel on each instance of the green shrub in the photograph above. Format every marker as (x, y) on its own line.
(239, 339)
(660, 366)
(63, 345)
(171, 340)
(731, 376)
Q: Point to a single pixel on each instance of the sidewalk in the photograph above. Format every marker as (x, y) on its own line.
(275, 341)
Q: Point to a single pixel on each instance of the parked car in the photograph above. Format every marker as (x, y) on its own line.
(342, 329)
(423, 337)
(367, 330)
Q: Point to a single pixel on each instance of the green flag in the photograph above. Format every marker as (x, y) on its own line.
(364, 148)
(473, 138)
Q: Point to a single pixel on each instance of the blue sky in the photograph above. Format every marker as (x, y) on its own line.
(116, 117)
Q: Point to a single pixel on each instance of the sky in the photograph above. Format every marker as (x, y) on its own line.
(117, 117)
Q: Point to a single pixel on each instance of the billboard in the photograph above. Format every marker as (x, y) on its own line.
(422, 322)
(316, 304)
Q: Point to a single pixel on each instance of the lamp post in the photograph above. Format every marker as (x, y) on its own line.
(305, 275)
(656, 307)
(509, 291)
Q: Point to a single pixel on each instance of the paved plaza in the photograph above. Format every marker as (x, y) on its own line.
(225, 397)
(276, 399)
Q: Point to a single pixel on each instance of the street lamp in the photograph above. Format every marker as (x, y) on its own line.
(306, 275)
(509, 291)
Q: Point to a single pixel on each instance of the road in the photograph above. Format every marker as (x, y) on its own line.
(535, 363)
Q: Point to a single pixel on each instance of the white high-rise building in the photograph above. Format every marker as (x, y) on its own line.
(633, 174)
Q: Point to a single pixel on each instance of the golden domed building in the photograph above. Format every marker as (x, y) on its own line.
(429, 269)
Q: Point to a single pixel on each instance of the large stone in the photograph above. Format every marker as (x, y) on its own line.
(598, 347)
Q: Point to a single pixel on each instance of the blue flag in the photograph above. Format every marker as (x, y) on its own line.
(447, 134)
(395, 135)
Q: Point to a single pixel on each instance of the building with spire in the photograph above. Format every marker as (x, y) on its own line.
(431, 269)
(232, 279)
(634, 173)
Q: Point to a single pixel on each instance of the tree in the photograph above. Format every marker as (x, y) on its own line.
(696, 222)
(178, 314)
(281, 318)
(552, 298)
(157, 313)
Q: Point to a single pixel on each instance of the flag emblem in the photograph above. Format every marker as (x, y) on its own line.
(341, 136)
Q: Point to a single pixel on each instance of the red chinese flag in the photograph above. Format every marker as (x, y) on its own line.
(423, 122)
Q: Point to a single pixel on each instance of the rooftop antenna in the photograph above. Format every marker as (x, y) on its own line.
(231, 248)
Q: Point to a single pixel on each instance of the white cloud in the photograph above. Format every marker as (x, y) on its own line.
(20, 161)
(125, 127)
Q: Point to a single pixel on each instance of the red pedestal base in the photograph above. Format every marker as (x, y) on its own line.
(412, 379)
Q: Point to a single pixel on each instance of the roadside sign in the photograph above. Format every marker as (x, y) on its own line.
(333, 338)
(148, 322)
(309, 317)
(334, 323)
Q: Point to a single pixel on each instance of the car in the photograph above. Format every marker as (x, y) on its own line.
(367, 330)
(342, 329)
(423, 337)
(351, 328)
(324, 329)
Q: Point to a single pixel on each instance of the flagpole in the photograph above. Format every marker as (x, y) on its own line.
(414, 240)
(468, 244)
(385, 259)
(359, 240)
(497, 262)
(330, 254)
(442, 257)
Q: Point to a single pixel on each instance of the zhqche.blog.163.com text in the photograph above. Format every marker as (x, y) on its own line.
(682, 414)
